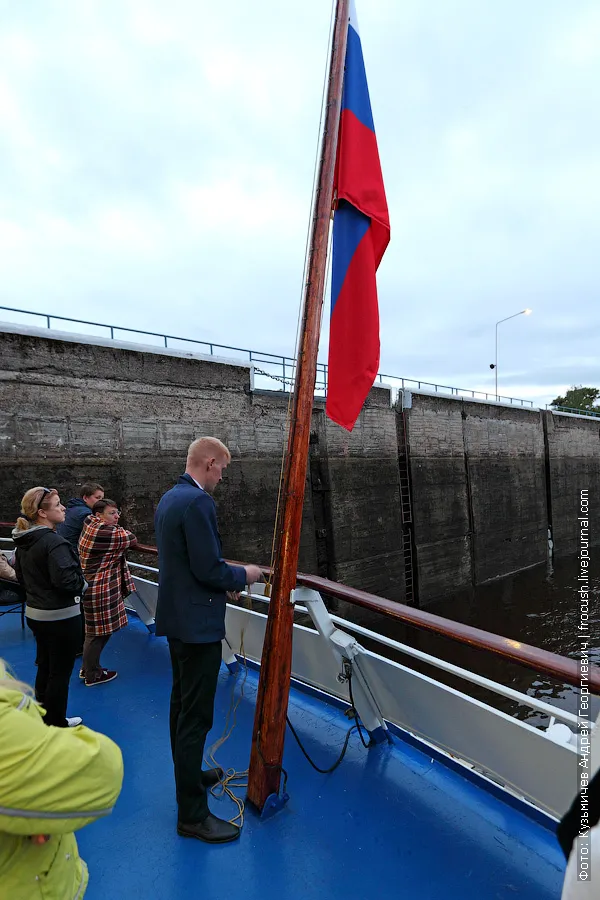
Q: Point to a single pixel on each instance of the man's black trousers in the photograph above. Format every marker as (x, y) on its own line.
(195, 674)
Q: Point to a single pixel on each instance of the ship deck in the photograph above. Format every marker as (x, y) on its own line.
(392, 822)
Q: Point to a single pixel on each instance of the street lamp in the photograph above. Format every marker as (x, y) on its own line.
(524, 312)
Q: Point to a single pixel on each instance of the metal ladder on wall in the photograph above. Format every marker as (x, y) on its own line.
(406, 512)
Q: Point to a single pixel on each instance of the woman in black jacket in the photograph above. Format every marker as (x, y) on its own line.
(48, 568)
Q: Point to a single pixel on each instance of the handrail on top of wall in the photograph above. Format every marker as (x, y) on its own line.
(285, 364)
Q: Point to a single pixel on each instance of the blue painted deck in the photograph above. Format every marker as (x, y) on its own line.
(389, 823)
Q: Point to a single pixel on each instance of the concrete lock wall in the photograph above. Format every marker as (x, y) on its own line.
(478, 475)
(490, 482)
(573, 454)
(442, 494)
(78, 410)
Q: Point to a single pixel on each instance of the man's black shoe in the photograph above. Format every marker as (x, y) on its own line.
(212, 830)
(210, 777)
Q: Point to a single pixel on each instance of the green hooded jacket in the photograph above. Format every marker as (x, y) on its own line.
(52, 782)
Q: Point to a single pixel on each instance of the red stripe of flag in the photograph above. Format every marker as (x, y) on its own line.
(361, 234)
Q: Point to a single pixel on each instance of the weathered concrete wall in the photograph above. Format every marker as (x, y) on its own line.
(440, 504)
(573, 466)
(485, 480)
(124, 416)
(72, 412)
(504, 452)
(487, 484)
(360, 471)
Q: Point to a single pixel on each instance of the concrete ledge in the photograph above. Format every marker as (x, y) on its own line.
(558, 412)
(50, 334)
(440, 396)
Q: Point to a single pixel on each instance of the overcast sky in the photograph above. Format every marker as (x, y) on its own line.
(156, 164)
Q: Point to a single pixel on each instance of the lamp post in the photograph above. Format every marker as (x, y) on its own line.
(523, 312)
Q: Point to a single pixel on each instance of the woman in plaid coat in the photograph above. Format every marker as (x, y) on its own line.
(102, 548)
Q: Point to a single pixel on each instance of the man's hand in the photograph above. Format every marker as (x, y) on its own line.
(253, 574)
(233, 596)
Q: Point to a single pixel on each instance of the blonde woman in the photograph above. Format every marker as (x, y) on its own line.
(54, 781)
(48, 568)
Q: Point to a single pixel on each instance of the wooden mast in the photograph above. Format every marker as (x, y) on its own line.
(274, 684)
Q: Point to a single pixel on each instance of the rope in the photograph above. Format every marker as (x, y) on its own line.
(300, 309)
(231, 778)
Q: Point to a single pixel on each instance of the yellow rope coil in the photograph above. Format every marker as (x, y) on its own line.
(231, 779)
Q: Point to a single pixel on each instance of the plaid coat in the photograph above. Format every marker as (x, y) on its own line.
(102, 550)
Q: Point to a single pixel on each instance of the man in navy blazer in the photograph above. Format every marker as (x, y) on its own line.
(193, 583)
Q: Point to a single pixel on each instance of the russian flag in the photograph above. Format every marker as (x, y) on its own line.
(361, 232)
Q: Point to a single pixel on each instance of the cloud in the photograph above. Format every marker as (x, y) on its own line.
(156, 166)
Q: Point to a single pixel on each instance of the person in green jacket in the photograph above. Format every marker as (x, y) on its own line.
(53, 781)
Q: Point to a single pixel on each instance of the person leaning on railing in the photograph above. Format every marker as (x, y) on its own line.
(7, 573)
(102, 550)
(48, 568)
(78, 509)
(54, 781)
(11, 593)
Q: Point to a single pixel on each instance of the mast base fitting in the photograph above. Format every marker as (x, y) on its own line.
(380, 736)
(274, 804)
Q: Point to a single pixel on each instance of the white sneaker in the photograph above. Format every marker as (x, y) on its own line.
(73, 721)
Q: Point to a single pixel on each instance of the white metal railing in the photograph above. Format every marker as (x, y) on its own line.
(501, 690)
(533, 762)
(140, 566)
(510, 693)
(472, 677)
(276, 368)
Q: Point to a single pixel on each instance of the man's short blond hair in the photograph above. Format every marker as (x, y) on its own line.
(207, 448)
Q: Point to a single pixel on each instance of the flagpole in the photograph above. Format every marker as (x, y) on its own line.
(268, 737)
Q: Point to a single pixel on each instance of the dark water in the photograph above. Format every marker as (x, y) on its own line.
(539, 607)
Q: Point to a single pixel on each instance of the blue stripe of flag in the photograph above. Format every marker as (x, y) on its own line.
(349, 228)
(355, 96)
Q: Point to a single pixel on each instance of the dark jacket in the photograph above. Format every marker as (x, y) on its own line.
(76, 514)
(193, 577)
(48, 568)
